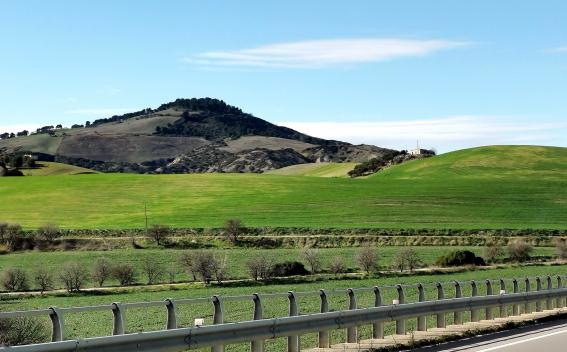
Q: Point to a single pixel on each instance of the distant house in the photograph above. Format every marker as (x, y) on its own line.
(420, 151)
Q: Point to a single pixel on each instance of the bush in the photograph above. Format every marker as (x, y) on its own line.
(259, 266)
(519, 250)
(313, 258)
(14, 279)
(22, 331)
(493, 251)
(102, 271)
(233, 228)
(16, 239)
(337, 266)
(43, 279)
(159, 233)
(460, 258)
(124, 273)
(368, 259)
(186, 259)
(73, 276)
(49, 232)
(288, 268)
(152, 269)
(205, 265)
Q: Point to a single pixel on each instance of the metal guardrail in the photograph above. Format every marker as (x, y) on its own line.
(256, 331)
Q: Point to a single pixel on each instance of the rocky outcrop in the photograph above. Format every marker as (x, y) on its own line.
(345, 153)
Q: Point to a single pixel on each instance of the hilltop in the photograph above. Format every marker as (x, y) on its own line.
(501, 187)
(184, 136)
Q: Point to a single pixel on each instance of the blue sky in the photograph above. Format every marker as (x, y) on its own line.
(452, 74)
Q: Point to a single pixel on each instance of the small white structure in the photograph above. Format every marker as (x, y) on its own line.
(417, 150)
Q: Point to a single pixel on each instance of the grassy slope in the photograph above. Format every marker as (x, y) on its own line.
(316, 169)
(55, 169)
(491, 187)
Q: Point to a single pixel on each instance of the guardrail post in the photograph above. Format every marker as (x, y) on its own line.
(352, 332)
(218, 318)
(488, 310)
(538, 288)
(293, 340)
(171, 315)
(400, 324)
(549, 302)
(474, 312)
(560, 300)
(515, 307)
(377, 327)
(458, 315)
(503, 309)
(257, 345)
(119, 319)
(421, 320)
(527, 305)
(324, 337)
(57, 323)
(440, 296)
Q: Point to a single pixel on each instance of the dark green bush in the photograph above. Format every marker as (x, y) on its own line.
(289, 269)
(460, 258)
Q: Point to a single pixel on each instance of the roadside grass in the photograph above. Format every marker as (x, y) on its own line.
(236, 257)
(146, 319)
(485, 188)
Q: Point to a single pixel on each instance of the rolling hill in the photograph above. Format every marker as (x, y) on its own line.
(518, 187)
(185, 136)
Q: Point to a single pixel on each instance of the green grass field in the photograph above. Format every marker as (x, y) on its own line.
(46, 168)
(236, 258)
(147, 319)
(317, 170)
(489, 187)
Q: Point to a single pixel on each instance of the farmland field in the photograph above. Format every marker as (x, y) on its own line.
(93, 324)
(488, 187)
(316, 169)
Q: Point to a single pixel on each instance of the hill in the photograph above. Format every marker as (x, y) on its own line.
(490, 187)
(46, 168)
(315, 169)
(184, 136)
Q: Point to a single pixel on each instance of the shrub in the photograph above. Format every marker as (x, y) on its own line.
(337, 266)
(561, 248)
(102, 271)
(203, 264)
(15, 238)
(188, 263)
(233, 228)
(3, 232)
(124, 273)
(22, 331)
(460, 258)
(492, 251)
(368, 259)
(73, 275)
(152, 269)
(220, 268)
(259, 266)
(43, 279)
(288, 268)
(519, 250)
(313, 258)
(14, 279)
(159, 233)
(49, 232)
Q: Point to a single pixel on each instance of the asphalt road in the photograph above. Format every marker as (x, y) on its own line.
(545, 337)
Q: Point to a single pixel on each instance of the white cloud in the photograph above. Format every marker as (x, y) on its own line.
(444, 134)
(18, 128)
(559, 49)
(324, 53)
(100, 111)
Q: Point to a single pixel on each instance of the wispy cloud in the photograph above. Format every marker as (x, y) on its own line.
(559, 49)
(324, 53)
(444, 133)
(100, 111)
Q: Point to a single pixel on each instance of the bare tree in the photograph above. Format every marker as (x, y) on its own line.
(102, 271)
(159, 233)
(519, 250)
(73, 275)
(561, 248)
(220, 268)
(13, 236)
(368, 259)
(204, 265)
(413, 261)
(49, 232)
(233, 228)
(399, 262)
(187, 260)
(43, 279)
(14, 279)
(313, 258)
(124, 273)
(338, 266)
(152, 269)
(492, 250)
(171, 272)
(260, 266)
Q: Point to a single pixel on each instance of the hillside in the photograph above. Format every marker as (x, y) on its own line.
(490, 187)
(315, 169)
(185, 136)
(46, 168)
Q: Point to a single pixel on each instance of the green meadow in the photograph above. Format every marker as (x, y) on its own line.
(487, 187)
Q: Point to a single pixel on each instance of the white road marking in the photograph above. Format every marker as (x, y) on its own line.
(522, 341)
